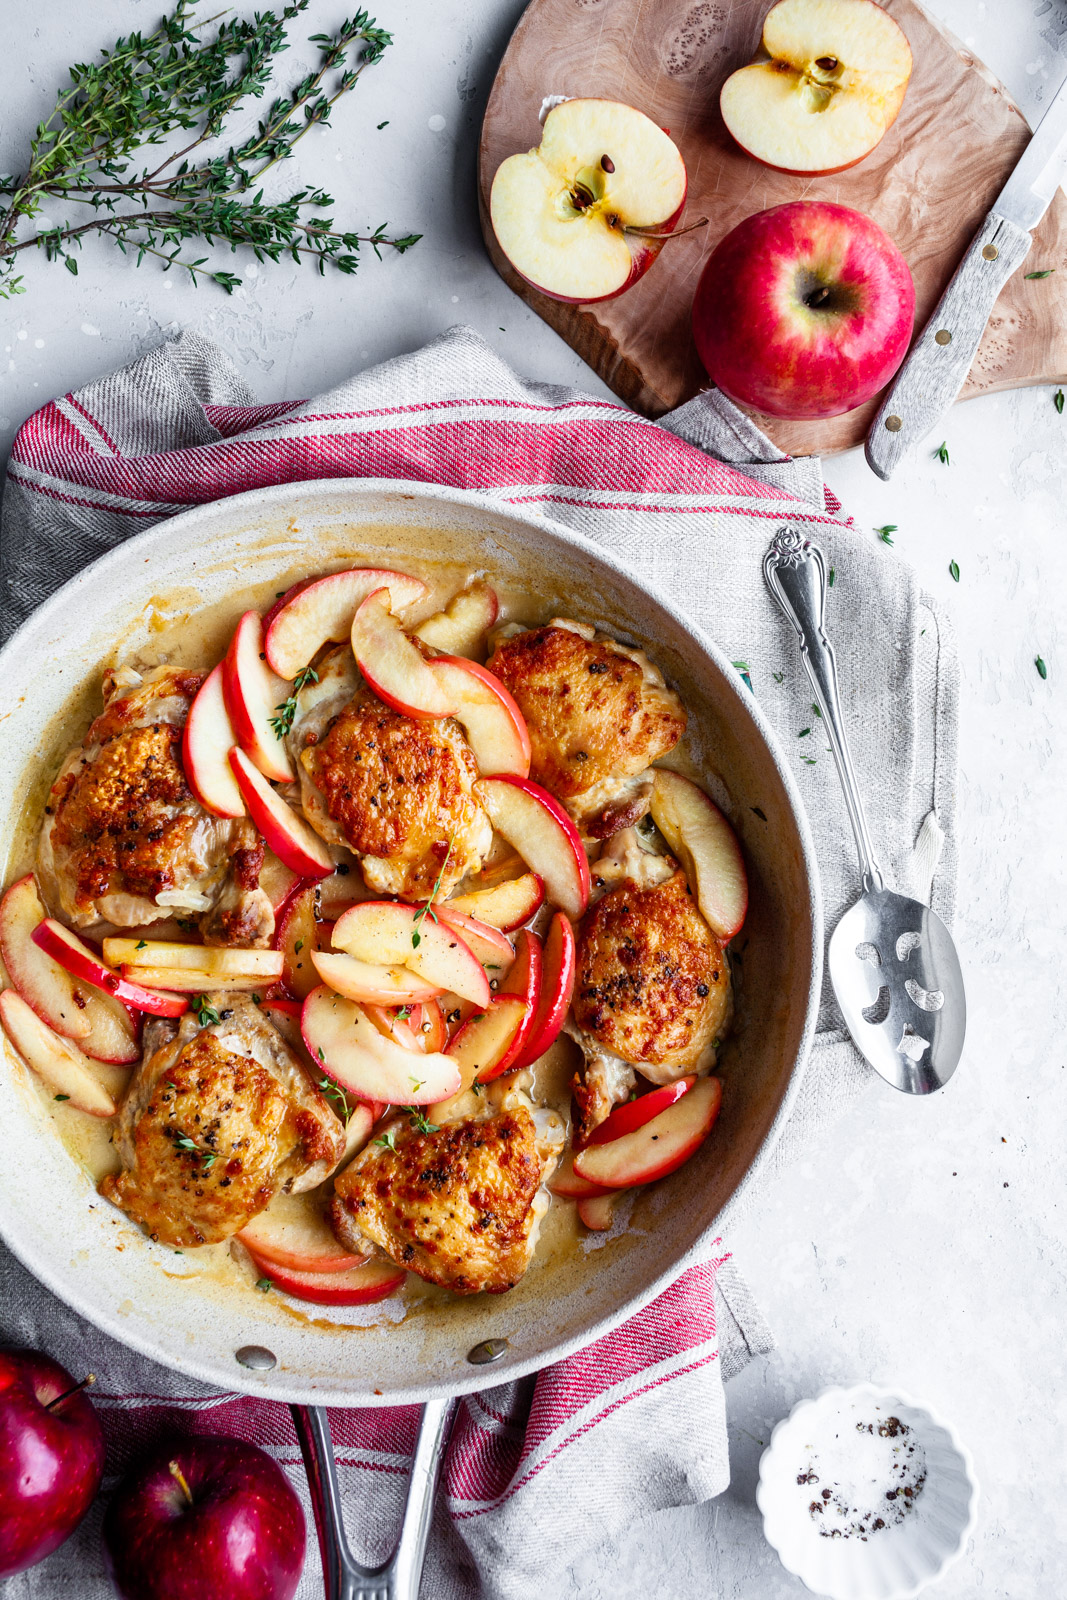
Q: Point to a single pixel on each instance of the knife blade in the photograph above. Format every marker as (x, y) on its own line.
(939, 361)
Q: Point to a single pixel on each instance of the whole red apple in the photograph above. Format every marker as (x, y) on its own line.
(205, 1519)
(805, 310)
(51, 1458)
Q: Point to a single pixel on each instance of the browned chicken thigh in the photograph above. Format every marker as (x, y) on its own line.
(217, 1119)
(652, 991)
(598, 712)
(455, 1205)
(396, 790)
(124, 840)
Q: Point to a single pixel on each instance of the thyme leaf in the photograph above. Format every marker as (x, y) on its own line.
(941, 454)
(1047, 273)
(427, 909)
(388, 1139)
(283, 722)
(884, 532)
(954, 571)
(419, 1120)
(1042, 672)
(207, 1158)
(1057, 401)
(206, 1014)
(337, 1098)
(184, 79)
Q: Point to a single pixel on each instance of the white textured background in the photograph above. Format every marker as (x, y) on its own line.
(921, 1244)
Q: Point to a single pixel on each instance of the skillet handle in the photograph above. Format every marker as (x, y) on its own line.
(397, 1578)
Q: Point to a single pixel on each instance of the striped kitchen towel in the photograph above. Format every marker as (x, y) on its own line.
(540, 1469)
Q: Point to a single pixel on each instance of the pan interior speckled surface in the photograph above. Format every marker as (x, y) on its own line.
(98, 1262)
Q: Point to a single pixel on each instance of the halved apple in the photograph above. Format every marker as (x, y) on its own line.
(102, 1026)
(265, 964)
(339, 1034)
(597, 1211)
(566, 1182)
(584, 215)
(706, 845)
(460, 629)
(831, 88)
(659, 1146)
(322, 612)
(290, 1233)
(58, 1061)
(505, 906)
(395, 668)
(370, 985)
(207, 740)
(487, 712)
(388, 933)
(492, 948)
(375, 1280)
(633, 1114)
(541, 831)
(288, 835)
(81, 961)
(558, 967)
(253, 694)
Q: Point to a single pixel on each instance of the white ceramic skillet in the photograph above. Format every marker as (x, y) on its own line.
(238, 552)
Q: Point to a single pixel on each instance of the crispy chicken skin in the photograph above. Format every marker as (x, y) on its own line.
(125, 842)
(455, 1206)
(652, 991)
(215, 1121)
(598, 712)
(394, 789)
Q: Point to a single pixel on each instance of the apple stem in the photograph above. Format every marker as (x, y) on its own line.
(179, 1477)
(653, 233)
(86, 1381)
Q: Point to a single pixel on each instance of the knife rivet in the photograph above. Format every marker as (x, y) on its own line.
(894, 424)
(991, 252)
(942, 336)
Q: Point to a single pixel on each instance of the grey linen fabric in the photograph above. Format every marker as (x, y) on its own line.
(899, 684)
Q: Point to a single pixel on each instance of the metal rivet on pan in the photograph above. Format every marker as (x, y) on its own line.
(894, 424)
(488, 1350)
(942, 336)
(257, 1357)
(991, 252)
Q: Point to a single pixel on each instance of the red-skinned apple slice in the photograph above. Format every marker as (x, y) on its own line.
(388, 933)
(541, 831)
(369, 985)
(492, 948)
(339, 1034)
(829, 86)
(431, 1028)
(253, 694)
(291, 1234)
(57, 1061)
(460, 629)
(566, 1182)
(483, 1041)
(322, 612)
(207, 740)
(81, 961)
(506, 906)
(276, 880)
(293, 842)
(297, 932)
(375, 1280)
(387, 1020)
(394, 668)
(265, 964)
(495, 727)
(584, 215)
(524, 981)
(558, 966)
(633, 1114)
(101, 1026)
(658, 1147)
(597, 1211)
(706, 845)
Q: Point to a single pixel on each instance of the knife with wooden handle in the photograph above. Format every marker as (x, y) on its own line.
(935, 370)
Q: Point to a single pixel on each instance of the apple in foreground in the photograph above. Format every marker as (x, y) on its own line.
(584, 215)
(656, 1147)
(804, 310)
(51, 1457)
(704, 842)
(832, 86)
(205, 1519)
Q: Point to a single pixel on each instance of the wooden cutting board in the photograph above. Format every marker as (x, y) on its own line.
(929, 184)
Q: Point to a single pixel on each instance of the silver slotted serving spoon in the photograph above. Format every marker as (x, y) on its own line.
(893, 964)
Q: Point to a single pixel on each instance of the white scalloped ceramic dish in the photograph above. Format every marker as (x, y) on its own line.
(897, 1561)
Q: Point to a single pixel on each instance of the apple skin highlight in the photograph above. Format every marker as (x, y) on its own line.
(764, 342)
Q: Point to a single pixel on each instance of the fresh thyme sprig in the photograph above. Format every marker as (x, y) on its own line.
(337, 1096)
(148, 87)
(207, 1158)
(420, 1120)
(427, 909)
(206, 1014)
(283, 722)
